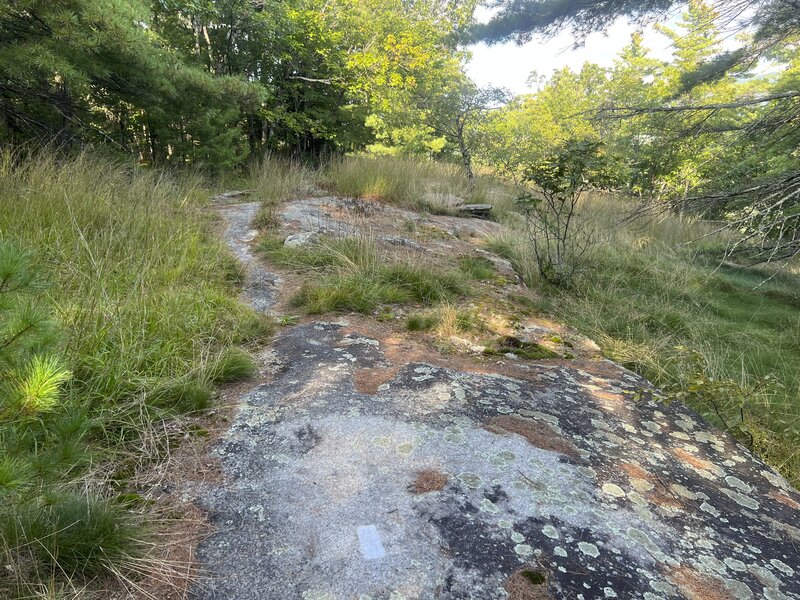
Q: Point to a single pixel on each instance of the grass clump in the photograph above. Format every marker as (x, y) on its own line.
(445, 320)
(354, 276)
(275, 180)
(79, 535)
(133, 294)
(233, 364)
(422, 322)
(477, 268)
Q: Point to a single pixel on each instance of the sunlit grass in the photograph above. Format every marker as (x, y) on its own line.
(413, 183)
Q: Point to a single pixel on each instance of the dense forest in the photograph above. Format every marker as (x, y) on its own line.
(653, 204)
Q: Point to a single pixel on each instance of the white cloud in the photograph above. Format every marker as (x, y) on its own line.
(509, 65)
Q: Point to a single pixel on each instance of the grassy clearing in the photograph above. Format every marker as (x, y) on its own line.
(719, 338)
(143, 297)
(412, 183)
(353, 275)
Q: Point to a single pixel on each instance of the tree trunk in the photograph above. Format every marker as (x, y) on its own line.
(466, 157)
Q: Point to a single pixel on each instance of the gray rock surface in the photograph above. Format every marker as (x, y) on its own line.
(301, 239)
(576, 472)
(260, 286)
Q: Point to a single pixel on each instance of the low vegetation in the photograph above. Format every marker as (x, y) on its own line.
(655, 296)
(119, 314)
(412, 183)
(354, 275)
(273, 180)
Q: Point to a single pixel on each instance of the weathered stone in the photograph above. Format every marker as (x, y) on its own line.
(260, 286)
(608, 522)
(234, 195)
(301, 239)
(476, 210)
(401, 241)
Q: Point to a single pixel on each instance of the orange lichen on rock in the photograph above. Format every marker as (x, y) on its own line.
(785, 500)
(658, 494)
(367, 381)
(694, 585)
(535, 432)
(687, 457)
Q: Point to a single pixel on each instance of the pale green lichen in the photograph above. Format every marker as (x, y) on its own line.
(551, 532)
(523, 550)
(471, 480)
(614, 490)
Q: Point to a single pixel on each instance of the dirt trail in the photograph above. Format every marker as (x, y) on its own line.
(443, 482)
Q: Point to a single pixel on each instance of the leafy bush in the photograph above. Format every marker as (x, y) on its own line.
(553, 188)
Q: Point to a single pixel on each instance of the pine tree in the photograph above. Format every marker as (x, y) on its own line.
(31, 376)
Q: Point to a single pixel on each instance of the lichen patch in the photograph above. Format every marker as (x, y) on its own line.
(695, 585)
(370, 380)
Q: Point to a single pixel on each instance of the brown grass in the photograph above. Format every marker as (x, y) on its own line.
(429, 480)
(521, 586)
(367, 381)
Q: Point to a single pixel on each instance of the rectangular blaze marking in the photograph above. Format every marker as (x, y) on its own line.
(370, 542)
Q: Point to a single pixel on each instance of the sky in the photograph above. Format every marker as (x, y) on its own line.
(509, 65)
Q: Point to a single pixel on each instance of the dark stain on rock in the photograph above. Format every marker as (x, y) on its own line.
(528, 584)
(496, 495)
(307, 437)
(476, 546)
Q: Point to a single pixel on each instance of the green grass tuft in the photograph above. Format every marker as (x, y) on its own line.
(353, 276)
(422, 322)
(77, 535)
(477, 268)
(184, 396)
(233, 364)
